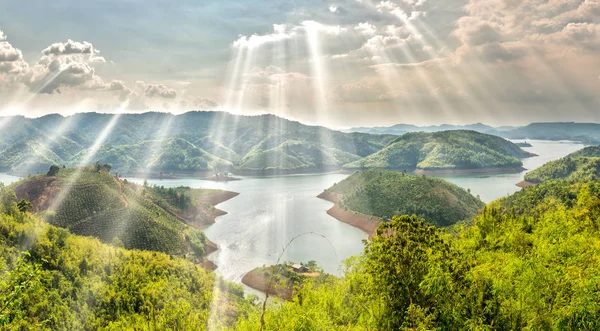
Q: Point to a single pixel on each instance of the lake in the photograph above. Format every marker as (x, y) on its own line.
(271, 211)
(493, 186)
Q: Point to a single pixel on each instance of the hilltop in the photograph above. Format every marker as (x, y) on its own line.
(193, 142)
(366, 198)
(581, 165)
(90, 201)
(447, 151)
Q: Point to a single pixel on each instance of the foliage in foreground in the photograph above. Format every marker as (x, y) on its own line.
(513, 269)
(53, 280)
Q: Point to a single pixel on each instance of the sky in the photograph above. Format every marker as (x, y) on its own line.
(335, 63)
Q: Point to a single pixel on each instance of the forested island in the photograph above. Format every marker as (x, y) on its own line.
(581, 165)
(367, 198)
(446, 152)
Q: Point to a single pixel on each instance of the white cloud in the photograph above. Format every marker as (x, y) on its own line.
(279, 34)
(74, 47)
(12, 65)
(366, 28)
(156, 90)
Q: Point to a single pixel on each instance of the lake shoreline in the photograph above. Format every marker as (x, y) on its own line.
(364, 222)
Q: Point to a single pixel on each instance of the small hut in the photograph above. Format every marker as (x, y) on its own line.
(299, 268)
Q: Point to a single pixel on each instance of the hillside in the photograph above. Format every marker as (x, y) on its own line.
(53, 280)
(445, 151)
(294, 157)
(91, 202)
(581, 165)
(187, 143)
(382, 194)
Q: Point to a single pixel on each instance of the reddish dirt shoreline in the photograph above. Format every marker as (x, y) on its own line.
(364, 222)
(525, 183)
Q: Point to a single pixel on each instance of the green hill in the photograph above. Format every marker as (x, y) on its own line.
(190, 142)
(462, 150)
(581, 165)
(383, 194)
(91, 202)
(294, 156)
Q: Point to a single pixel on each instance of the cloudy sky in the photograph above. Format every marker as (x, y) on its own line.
(338, 63)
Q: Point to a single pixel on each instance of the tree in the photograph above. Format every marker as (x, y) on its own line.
(399, 258)
(24, 205)
(53, 171)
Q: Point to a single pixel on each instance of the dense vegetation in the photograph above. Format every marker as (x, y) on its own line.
(90, 201)
(444, 150)
(384, 193)
(190, 142)
(581, 165)
(53, 280)
(529, 261)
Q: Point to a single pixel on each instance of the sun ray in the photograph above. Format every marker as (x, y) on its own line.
(106, 131)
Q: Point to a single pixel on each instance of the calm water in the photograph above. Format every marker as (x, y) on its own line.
(493, 186)
(270, 211)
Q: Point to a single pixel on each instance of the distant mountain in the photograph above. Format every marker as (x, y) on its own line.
(190, 142)
(581, 165)
(446, 150)
(400, 129)
(587, 133)
(383, 194)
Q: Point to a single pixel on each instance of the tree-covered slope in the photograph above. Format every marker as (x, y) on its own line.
(294, 156)
(194, 141)
(528, 262)
(174, 154)
(53, 280)
(384, 193)
(581, 165)
(444, 150)
(91, 202)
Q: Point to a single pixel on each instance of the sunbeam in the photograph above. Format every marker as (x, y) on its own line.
(87, 158)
